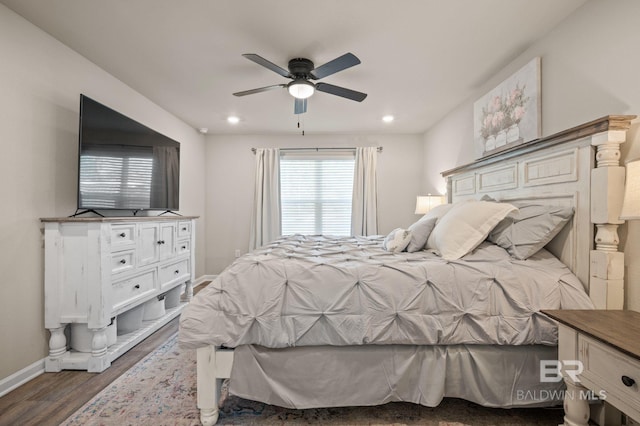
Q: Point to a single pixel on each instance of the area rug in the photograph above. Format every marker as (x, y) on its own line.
(160, 390)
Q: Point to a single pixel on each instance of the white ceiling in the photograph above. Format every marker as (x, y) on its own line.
(420, 58)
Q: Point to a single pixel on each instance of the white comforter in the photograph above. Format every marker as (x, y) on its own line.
(317, 290)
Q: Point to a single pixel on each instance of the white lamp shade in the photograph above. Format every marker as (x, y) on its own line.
(631, 203)
(301, 89)
(424, 203)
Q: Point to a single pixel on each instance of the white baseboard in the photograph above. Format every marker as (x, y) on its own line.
(21, 377)
(32, 371)
(203, 278)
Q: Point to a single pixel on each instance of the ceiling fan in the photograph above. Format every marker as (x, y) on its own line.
(301, 70)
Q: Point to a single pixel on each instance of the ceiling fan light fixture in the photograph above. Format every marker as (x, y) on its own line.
(301, 70)
(301, 89)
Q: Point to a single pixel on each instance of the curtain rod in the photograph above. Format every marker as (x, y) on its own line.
(316, 149)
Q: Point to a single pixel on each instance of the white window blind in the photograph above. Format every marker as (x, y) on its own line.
(316, 191)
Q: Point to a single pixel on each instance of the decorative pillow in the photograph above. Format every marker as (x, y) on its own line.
(420, 232)
(465, 226)
(525, 232)
(397, 240)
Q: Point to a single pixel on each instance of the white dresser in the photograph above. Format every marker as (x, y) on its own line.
(101, 271)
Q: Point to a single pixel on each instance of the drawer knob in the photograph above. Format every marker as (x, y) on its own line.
(184, 247)
(177, 271)
(122, 235)
(184, 229)
(123, 261)
(628, 381)
(161, 242)
(137, 286)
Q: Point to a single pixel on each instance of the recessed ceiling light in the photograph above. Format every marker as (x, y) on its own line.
(203, 130)
(388, 118)
(233, 119)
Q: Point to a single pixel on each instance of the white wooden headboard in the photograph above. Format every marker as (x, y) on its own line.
(578, 167)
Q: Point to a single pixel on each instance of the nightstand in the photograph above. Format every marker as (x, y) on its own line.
(598, 351)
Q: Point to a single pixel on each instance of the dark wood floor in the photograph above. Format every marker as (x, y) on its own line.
(52, 397)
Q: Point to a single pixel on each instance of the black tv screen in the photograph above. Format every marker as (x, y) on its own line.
(123, 164)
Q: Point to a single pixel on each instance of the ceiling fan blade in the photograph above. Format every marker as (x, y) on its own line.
(267, 64)
(300, 106)
(259, 90)
(341, 91)
(341, 63)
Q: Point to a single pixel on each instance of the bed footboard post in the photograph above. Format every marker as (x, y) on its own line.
(208, 391)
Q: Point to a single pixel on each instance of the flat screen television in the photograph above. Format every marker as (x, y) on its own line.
(124, 165)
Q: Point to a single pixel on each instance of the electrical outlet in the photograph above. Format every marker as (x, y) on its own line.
(237, 252)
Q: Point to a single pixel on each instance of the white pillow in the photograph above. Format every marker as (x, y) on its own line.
(420, 232)
(465, 226)
(397, 240)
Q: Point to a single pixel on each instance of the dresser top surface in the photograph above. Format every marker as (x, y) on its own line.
(116, 219)
(617, 328)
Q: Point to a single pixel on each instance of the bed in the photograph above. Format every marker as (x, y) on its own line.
(316, 321)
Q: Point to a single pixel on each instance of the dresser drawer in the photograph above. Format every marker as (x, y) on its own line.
(184, 247)
(123, 261)
(184, 229)
(131, 289)
(173, 272)
(122, 236)
(605, 367)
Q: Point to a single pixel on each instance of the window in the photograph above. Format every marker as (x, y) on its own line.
(316, 192)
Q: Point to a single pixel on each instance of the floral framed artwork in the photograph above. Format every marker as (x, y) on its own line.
(509, 114)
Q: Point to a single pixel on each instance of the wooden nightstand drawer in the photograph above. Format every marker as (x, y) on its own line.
(606, 343)
(605, 368)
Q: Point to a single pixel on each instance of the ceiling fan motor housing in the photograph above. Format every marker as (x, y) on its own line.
(300, 67)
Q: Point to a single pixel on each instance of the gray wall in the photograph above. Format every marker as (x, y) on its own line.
(589, 70)
(41, 81)
(230, 183)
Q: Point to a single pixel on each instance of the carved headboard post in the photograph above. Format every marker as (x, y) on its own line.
(606, 281)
